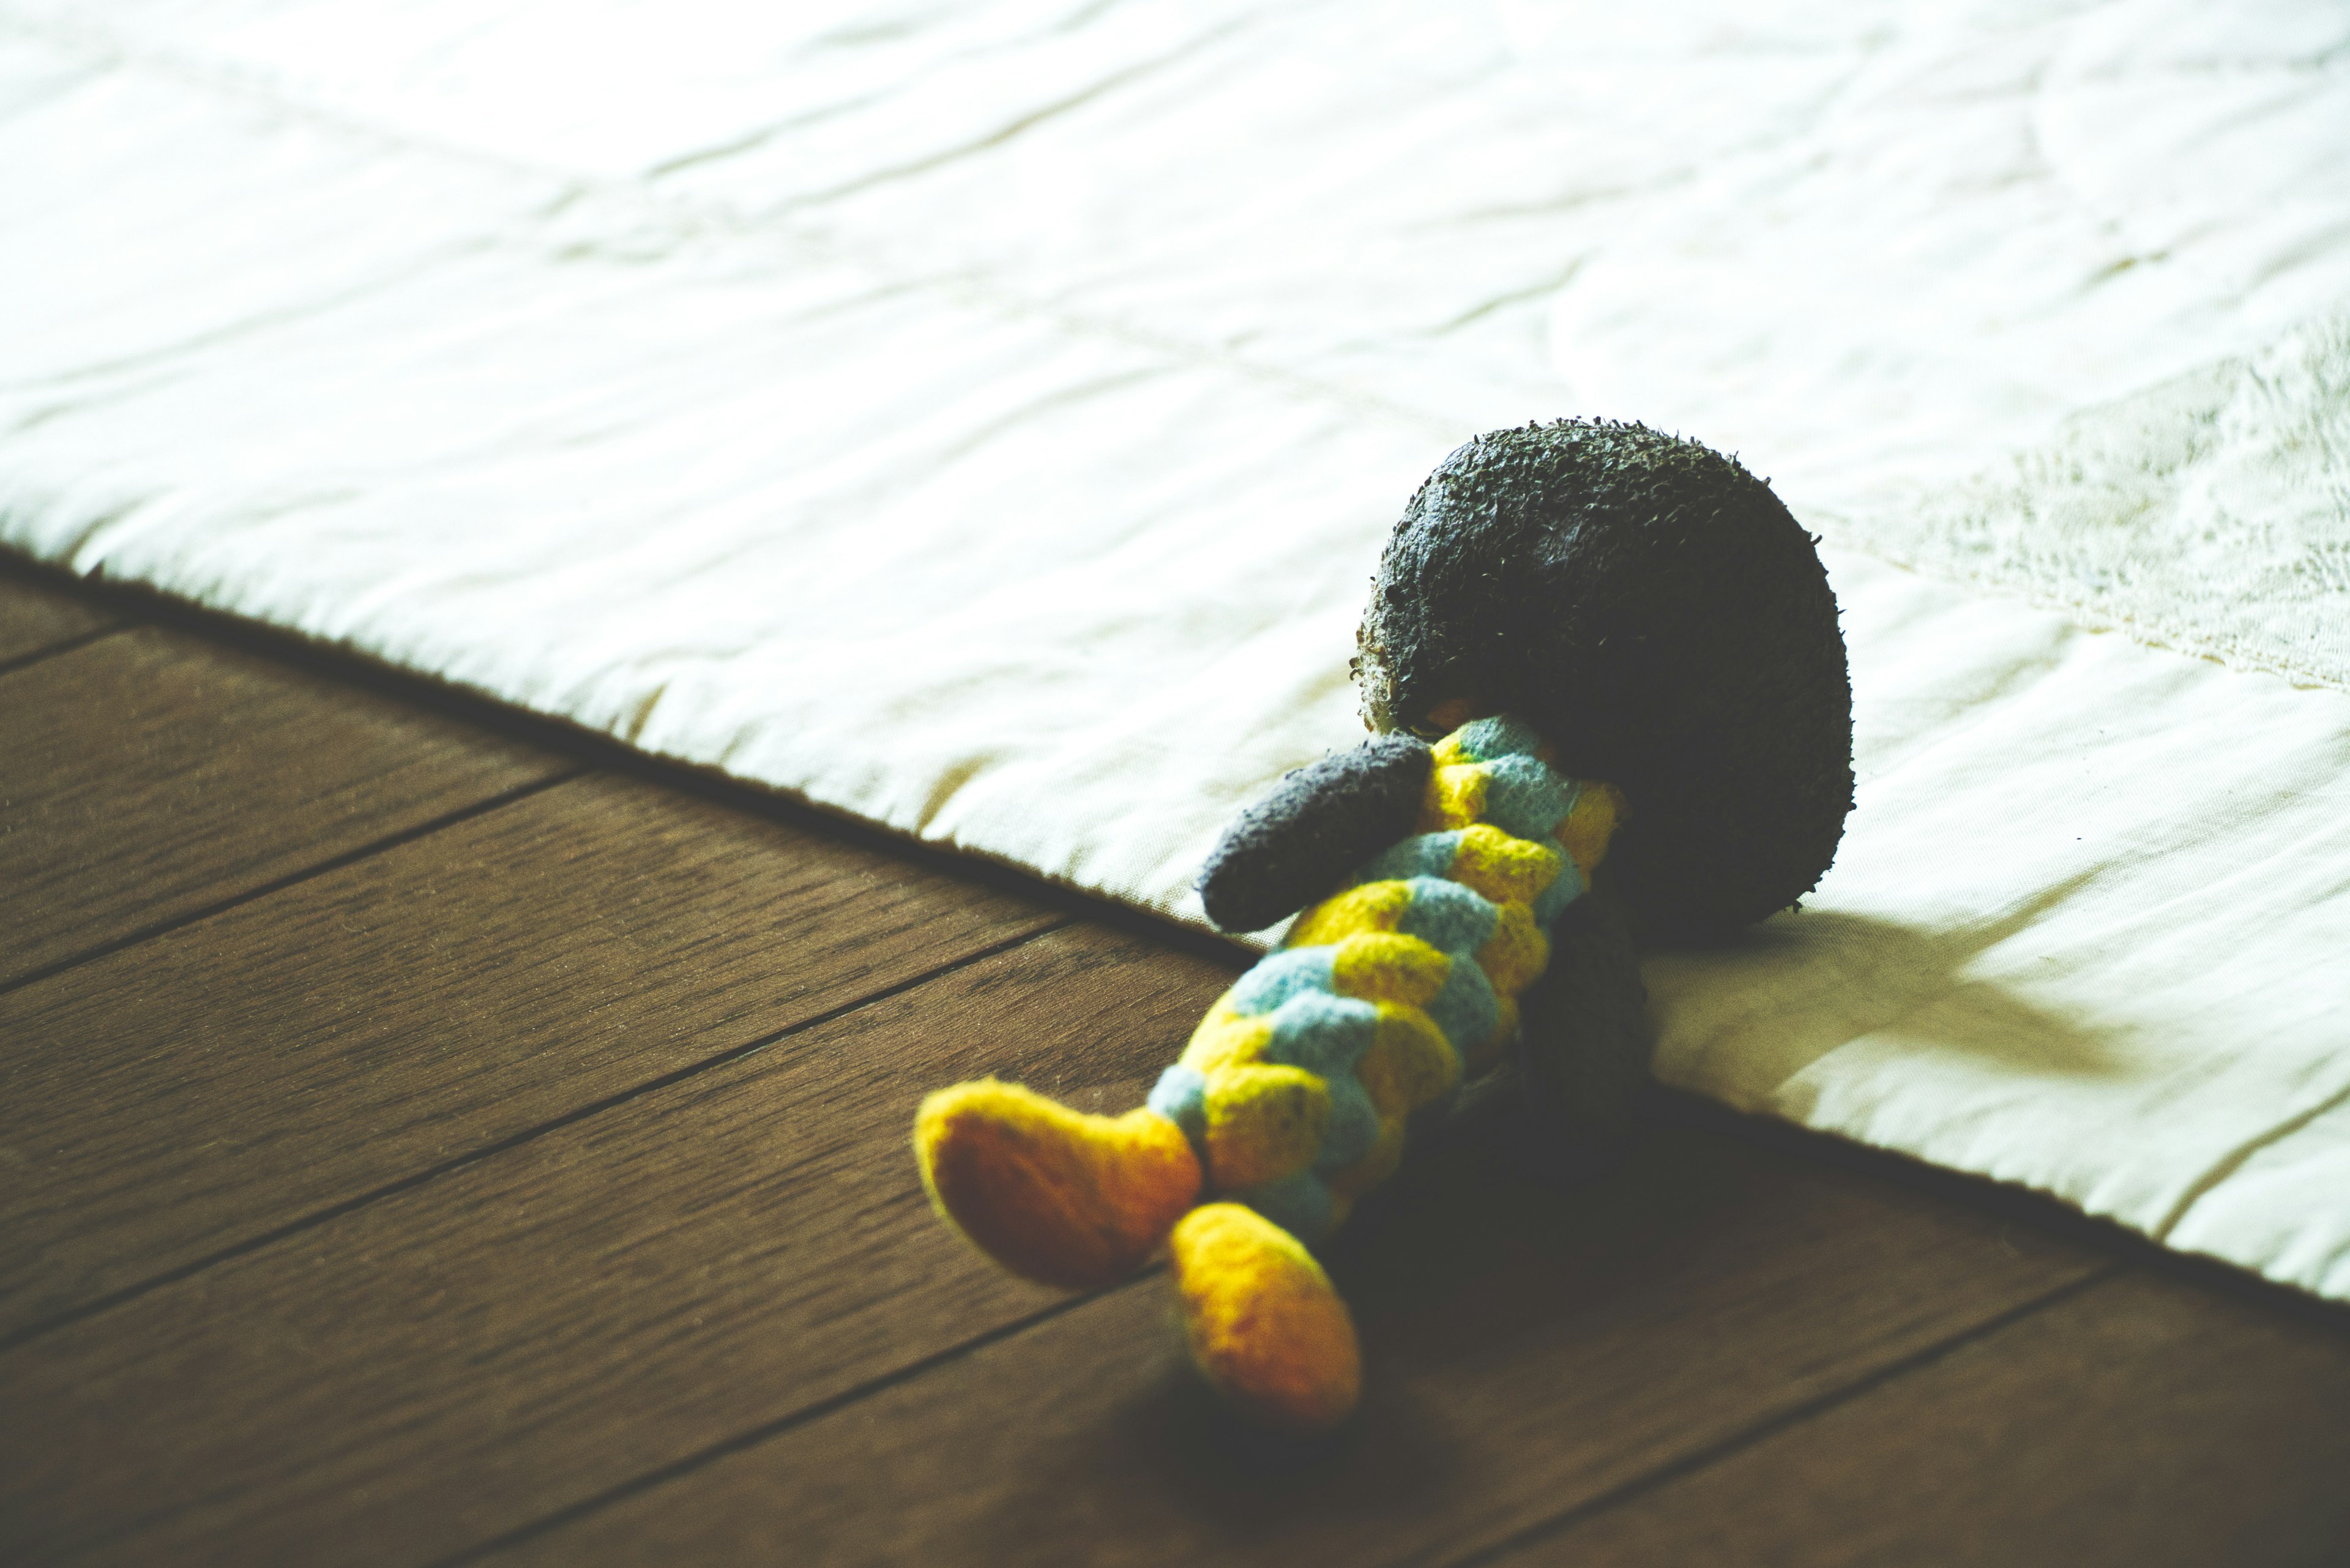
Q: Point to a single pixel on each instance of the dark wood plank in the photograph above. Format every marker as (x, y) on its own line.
(528, 1330)
(185, 1094)
(371, 1222)
(2145, 1422)
(35, 616)
(1525, 1349)
(151, 774)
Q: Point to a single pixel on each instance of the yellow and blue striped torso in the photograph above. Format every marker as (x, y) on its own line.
(1297, 1085)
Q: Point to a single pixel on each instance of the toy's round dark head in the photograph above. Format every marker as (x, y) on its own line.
(1653, 610)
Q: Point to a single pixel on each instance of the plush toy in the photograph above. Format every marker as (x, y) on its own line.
(1626, 655)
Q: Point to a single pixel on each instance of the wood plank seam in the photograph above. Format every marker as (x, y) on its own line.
(2043, 1212)
(1771, 1425)
(2141, 1424)
(1662, 1475)
(64, 644)
(751, 1437)
(408, 835)
(597, 749)
(490, 1150)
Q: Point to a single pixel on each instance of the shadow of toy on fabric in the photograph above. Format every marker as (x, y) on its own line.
(1798, 988)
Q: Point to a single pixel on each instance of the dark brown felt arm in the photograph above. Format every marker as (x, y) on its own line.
(1564, 1105)
(1583, 1048)
(1319, 823)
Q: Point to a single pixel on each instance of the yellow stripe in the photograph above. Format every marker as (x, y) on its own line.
(1517, 952)
(1264, 1122)
(1381, 966)
(1598, 811)
(1373, 907)
(1506, 869)
(1409, 1063)
(1224, 1039)
(1455, 797)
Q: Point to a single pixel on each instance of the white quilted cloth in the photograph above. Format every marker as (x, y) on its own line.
(985, 420)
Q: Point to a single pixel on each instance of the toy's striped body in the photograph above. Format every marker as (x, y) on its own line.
(1296, 1088)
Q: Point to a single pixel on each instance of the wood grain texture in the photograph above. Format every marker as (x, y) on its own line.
(537, 1187)
(35, 616)
(531, 1329)
(2145, 1423)
(178, 1096)
(1527, 1349)
(151, 774)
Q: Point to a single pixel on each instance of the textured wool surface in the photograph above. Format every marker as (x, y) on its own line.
(1295, 1093)
(1263, 1321)
(1298, 1087)
(1051, 1193)
(1651, 606)
(1310, 830)
(987, 421)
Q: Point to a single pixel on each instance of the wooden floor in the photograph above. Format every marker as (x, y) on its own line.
(429, 1137)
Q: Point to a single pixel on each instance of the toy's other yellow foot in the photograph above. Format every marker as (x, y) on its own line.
(1050, 1193)
(1265, 1325)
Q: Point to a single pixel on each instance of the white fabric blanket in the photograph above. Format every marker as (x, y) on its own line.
(985, 420)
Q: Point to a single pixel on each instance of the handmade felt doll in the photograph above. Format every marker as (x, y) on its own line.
(1626, 655)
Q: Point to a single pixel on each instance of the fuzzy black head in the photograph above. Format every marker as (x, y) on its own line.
(1655, 611)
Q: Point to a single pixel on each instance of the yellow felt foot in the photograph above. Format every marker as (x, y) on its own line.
(1264, 1325)
(1050, 1193)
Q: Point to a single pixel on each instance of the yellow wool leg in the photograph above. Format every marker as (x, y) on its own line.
(1052, 1194)
(1264, 1325)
